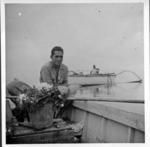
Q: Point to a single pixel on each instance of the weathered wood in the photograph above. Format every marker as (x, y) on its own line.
(108, 82)
(124, 117)
(59, 136)
(42, 118)
(103, 126)
(59, 132)
(109, 124)
(93, 84)
(97, 99)
(105, 99)
(131, 134)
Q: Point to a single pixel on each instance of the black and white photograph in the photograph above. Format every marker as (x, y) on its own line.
(74, 73)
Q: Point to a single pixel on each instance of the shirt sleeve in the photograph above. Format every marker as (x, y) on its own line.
(45, 76)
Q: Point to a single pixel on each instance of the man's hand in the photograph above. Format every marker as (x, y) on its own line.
(63, 90)
(43, 85)
(73, 89)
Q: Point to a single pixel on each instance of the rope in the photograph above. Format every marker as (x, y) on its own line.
(130, 72)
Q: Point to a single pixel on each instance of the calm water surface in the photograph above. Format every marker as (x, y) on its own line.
(122, 90)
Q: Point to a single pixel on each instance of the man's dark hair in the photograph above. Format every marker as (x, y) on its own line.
(56, 48)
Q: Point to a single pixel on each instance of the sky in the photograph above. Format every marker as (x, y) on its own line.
(107, 35)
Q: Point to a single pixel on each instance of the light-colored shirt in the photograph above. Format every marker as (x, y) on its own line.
(48, 74)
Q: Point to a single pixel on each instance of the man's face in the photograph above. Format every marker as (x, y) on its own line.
(57, 58)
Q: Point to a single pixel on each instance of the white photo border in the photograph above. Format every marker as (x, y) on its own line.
(146, 65)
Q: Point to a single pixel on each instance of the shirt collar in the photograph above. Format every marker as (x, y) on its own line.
(52, 66)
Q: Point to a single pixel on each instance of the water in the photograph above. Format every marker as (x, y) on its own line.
(134, 91)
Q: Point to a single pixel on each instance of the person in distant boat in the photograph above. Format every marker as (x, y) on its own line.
(94, 71)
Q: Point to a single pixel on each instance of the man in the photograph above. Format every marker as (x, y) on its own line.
(54, 72)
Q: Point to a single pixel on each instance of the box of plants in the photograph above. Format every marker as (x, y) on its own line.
(39, 106)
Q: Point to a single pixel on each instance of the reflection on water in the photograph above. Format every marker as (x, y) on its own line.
(124, 90)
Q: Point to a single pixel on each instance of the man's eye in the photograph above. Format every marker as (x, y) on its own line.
(59, 56)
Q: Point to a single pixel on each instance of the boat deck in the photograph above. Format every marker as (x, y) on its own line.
(60, 132)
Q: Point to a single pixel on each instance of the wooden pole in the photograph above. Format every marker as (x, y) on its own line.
(96, 99)
(105, 99)
(12, 97)
(99, 84)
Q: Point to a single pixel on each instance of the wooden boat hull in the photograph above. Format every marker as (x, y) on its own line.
(93, 122)
(110, 122)
(91, 80)
(51, 135)
(59, 131)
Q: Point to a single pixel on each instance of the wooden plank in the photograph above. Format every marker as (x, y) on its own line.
(92, 84)
(65, 133)
(103, 126)
(61, 136)
(107, 99)
(131, 134)
(129, 119)
(101, 130)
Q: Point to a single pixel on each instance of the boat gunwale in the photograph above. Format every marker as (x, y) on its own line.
(130, 119)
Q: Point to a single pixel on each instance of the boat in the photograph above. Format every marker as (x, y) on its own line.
(59, 130)
(89, 122)
(103, 78)
(91, 79)
(109, 122)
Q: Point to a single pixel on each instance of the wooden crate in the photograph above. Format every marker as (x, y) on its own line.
(67, 132)
(42, 118)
